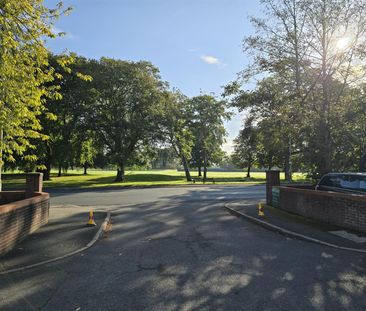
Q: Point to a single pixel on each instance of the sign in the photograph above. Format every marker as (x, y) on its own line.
(275, 197)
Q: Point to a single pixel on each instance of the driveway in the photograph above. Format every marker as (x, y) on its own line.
(177, 249)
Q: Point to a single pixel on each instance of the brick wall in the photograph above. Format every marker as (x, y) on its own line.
(20, 218)
(11, 196)
(345, 210)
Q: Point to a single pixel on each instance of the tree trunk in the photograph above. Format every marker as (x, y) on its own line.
(362, 165)
(120, 173)
(328, 151)
(325, 134)
(186, 168)
(270, 161)
(85, 169)
(59, 170)
(288, 164)
(199, 171)
(47, 171)
(248, 170)
(48, 161)
(178, 151)
(205, 167)
(288, 175)
(324, 163)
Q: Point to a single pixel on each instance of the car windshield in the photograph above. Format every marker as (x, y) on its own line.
(346, 181)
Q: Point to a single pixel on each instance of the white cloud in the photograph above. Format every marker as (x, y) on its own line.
(64, 34)
(212, 60)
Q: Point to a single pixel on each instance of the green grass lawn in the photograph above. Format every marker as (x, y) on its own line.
(99, 178)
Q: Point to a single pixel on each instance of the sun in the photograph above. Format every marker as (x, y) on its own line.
(342, 43)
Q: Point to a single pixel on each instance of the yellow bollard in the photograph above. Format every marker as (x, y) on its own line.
(260, 210)
(91, 222)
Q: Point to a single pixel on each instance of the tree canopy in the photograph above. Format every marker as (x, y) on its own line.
(24, 73)
(207, 116)
(126, 107)
(310, 60)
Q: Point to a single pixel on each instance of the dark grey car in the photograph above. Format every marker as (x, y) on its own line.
(343, 182)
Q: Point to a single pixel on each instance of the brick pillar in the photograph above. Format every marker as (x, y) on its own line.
(272, 179)
(34, 183)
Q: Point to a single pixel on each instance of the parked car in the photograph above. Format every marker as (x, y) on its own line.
(343, 182)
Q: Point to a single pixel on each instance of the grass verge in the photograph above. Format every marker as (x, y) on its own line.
(99, 178)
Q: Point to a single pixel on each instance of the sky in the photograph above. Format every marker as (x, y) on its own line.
(196, 44)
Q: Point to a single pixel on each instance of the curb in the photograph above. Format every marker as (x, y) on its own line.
(288, 233)
(90, 244)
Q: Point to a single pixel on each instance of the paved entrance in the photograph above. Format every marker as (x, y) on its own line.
(178, 249)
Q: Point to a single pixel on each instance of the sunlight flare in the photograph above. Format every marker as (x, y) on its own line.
(343, 43)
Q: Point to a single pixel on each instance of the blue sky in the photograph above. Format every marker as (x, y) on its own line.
(197, 44)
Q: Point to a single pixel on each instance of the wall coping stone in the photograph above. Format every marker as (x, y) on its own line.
(349, 196)
(37, 198)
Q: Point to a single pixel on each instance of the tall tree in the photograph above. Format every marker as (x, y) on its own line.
(336, 37)
(126, 107)
(175, 129)
(197, 156)
(267, 107)
(86, 149)
(69, 115)
(24, 71)
(315, 49)
(245, 146)
(207, 122)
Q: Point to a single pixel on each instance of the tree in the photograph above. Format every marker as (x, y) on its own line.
(126, 107)
(64, 129)
(174, 127)
(165, 158)
(197, 156)
(207, 122)
(86, 151)
(271, 144)
(278, 48)
(245, 146)
(267, 107)
(315, 51)
(356, 130)
(24, 71)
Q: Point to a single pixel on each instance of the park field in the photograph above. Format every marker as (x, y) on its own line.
(100, 178)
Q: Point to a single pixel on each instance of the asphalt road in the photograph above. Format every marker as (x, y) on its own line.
(177, 249)
(158, 194)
